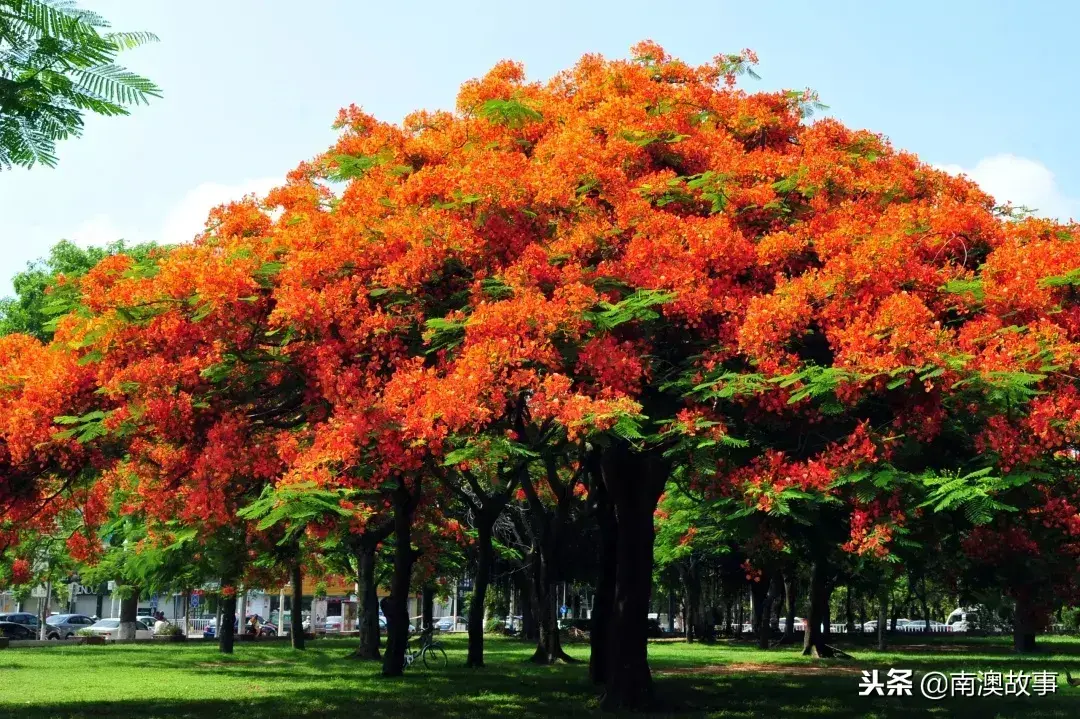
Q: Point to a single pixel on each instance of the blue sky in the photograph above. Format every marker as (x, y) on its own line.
(251, 89)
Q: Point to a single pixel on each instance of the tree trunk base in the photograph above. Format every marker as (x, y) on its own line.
(1025, 643)
(641, 699)
(825, 651)
(542, 656)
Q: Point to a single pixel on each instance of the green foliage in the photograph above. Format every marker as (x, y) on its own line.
(347, 167)
(728, 385)
(294, 506)
(495, 289)
(973, 493)
(644, 139)
(806, 103)
(815, 381)
(1068, 279)
(1005, 389)
(40, 301)
(961, 287)
(444, 334)
(489, 450)
(691, 528)
(87, 428)
(638, 307)
(56, 63)
(513, 113)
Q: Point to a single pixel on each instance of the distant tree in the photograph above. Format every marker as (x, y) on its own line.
(55, 64)
(38, 300)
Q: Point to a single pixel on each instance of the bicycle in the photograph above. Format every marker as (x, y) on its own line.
(430, 652)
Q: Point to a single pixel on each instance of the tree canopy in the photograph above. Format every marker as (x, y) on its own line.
(634, 281)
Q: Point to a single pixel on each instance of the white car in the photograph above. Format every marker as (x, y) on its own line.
(333, 625)
(110, 628)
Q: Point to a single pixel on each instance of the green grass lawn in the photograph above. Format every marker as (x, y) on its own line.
(728, 679)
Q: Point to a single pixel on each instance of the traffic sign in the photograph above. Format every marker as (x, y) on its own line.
(194, 600)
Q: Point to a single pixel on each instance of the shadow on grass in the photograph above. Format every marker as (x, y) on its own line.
(267, 681)
(492, 696)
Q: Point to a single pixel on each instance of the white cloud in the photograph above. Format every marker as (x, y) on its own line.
(187, 218)
(98, 230)
(1021, 181)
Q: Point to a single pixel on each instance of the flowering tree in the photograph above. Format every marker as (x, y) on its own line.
(642, 273)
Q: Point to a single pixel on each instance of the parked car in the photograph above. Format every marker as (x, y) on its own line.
(110, 629)
(334, 624)
(445, 624)
(25, 618)
(11, 630)
(654, 629)
(287, 626)
(146, 618)
(64, 626)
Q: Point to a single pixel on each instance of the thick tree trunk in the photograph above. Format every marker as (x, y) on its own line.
(297, 617)
(826, 621)
(1024, 623)
(849, 610)
(397, 631)
(883, 617)
(777, 602)
(129, 610)
(549, 644)
(789, 595)
(692, 589)
(671, 611)
(629, 683)
(813, 638)
(604, 598)
(529, 630)
(759, 595)
(227, 628)
(634, 484)
(476, 604)
(369, 603)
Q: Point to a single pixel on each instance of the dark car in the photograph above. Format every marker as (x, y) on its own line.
(11, 630)
(655, 630)
(25, 618)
